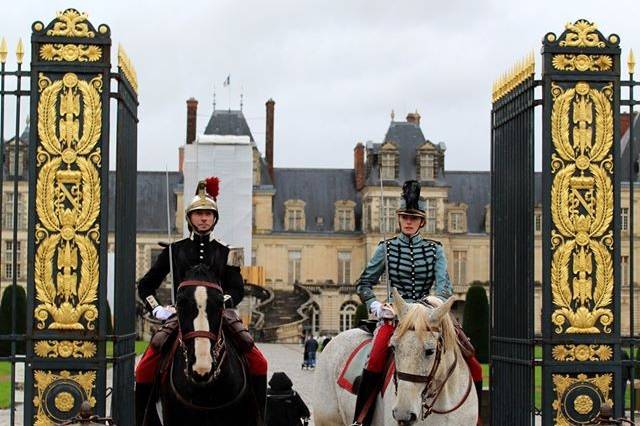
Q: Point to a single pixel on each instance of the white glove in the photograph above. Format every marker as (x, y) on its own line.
(376, 308)
(163, 312)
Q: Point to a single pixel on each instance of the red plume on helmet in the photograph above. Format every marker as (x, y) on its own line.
(212, 185)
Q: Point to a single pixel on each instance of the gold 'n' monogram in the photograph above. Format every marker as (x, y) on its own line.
(67, 232)
(582, 209)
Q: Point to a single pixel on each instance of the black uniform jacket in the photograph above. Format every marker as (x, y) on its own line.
(186, 254)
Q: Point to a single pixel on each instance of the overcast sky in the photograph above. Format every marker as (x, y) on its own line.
(336, 69)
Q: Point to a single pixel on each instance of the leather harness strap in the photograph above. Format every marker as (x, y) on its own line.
(196, 283)
(200, 333)
(428, 392)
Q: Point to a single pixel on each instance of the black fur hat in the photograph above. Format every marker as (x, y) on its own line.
(410, 204)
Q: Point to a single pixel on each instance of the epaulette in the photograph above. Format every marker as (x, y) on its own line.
(218, 240)
(387, 240)
(438, 243)
(235, 257)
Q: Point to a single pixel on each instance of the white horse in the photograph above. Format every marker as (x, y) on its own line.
(434, 384)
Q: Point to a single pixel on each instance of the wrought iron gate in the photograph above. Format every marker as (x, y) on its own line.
(67, 350)
(583, 361)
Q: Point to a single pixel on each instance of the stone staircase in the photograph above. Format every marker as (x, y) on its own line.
(284, 316)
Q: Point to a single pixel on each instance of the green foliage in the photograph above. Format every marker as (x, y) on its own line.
(475, 321)
(5, 318)
(361, 314)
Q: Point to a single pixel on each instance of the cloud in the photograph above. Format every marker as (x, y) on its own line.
(335, 69)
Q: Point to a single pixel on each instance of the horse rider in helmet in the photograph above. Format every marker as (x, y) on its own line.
(416, 266)
(201, 247)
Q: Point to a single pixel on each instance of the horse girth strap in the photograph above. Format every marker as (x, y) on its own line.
(197, 283)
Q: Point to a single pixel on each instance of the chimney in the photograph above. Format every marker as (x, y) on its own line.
(413, 117)
(270, 104)
(358, 165)
(192, 110)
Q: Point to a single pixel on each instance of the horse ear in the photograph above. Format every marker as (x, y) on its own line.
(436, 316)
(399, 304)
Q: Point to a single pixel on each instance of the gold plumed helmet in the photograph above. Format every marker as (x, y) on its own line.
(205, 199)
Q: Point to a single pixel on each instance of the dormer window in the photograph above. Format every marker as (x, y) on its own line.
(388, 166)
(427, 169)
(294, 219)
(389, 162)
(457, 218)
(344, 219)
(426, 162)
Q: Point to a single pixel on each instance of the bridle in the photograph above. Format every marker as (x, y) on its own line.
(432, 389)
(218, 340)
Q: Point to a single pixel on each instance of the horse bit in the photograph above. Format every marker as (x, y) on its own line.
(430, 394)
(217, 338)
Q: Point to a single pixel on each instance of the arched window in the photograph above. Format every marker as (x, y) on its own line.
(314, 317)
(347, 315)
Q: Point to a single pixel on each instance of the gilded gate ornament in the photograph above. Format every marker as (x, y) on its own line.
(581, 62)
(127, 68)
(582, 34)
(67, 232)
(582, 352)
(582, 208)
(581, 395)
(64, 349)
(71, 23)
(59, 393)
(70, 52)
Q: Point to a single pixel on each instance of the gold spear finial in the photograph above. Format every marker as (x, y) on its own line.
(631, 61)
(20, 51)
(3, 50)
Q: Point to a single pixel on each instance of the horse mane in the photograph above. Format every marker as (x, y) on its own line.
(417, 318)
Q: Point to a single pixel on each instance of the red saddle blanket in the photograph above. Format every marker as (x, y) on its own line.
(356, 361)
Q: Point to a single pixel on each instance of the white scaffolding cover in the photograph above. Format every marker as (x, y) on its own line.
(230, 158)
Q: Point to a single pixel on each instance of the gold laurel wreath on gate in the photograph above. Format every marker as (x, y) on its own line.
(66, 227)
(584, 240)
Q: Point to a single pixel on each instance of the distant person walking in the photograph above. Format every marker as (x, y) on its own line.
(284, 405)
(310, 348)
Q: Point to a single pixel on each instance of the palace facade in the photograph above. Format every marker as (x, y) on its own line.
(318, 227)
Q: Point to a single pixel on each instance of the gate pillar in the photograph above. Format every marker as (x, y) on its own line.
(67, 330)
(580, 236)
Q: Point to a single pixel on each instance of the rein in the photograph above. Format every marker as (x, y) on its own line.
(431, 393)
(193, 406)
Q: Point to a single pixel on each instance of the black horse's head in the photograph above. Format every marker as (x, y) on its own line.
(200, 304)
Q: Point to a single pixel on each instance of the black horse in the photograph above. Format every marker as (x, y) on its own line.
(206, 381)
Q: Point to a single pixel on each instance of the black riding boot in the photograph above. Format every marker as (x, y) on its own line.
(142, 393)
(479, 392)
(369, 386)
(259, 386)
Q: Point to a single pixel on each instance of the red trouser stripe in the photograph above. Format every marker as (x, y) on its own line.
(147, 366)
(257, 362)
(475, 367)
(380, 348)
